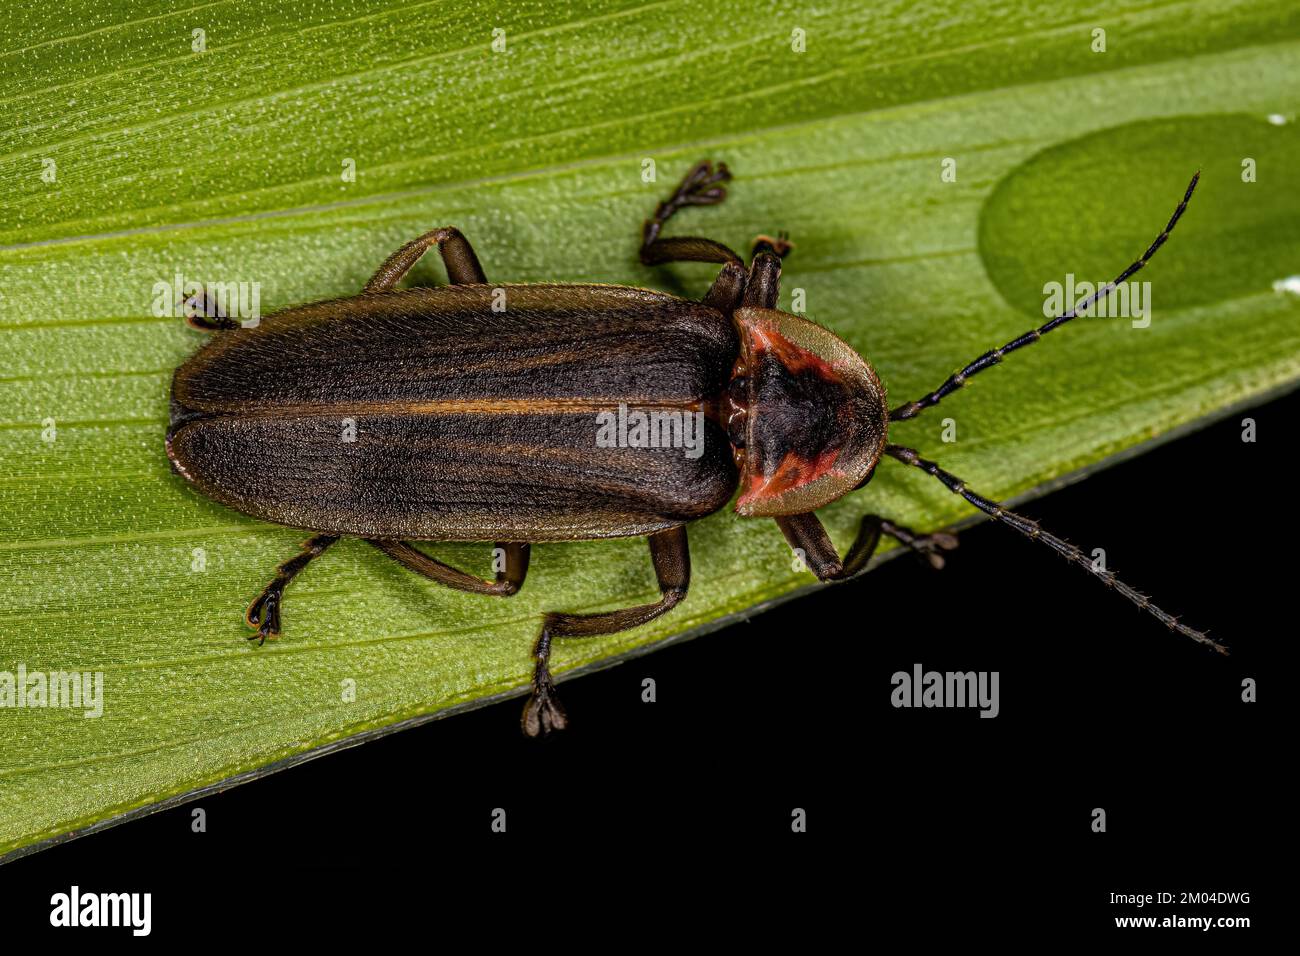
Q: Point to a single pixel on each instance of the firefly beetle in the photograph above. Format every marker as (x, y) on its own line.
(476, 422)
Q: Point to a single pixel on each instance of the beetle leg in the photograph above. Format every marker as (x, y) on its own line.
(779, 247)
(697, 188)
(687, 249)
(508, 580)
(763, 287)
(727, 289)
(457, 255)
(264, 612)
(806, 535)
(672, 562)
(203, 312)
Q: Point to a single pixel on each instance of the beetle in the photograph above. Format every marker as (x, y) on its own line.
(475, 408)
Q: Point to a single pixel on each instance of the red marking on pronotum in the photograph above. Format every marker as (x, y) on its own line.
(794, 470)
(764, 337)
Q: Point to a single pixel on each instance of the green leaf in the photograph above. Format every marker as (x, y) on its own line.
(225, 165)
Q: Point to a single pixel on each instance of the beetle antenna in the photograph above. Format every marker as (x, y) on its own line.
(958, 379)
(1030, 529)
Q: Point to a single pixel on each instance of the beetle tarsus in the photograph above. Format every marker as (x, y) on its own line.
(699, 187)
(927, 547)
(264, 613)
(543, 713)
(203, 312)
(779, 245)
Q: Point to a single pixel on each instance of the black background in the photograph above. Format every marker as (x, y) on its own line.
(932, 823)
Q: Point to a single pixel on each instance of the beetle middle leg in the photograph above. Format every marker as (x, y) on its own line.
(672, 563)
(806, 535)
(264, 612)
(508, 580)
(457, 255)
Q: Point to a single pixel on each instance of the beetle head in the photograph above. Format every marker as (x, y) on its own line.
(809, 416)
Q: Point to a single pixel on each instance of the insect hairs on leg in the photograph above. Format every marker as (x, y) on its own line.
(1025, 526)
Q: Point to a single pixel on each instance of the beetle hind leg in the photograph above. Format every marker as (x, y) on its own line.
(509, 578)
(672, 562)
(264, 613)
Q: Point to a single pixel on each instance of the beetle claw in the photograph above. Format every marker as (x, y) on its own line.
(780, 243)
(928, 546)
(699, 189)
(264, 614)
(201, 312)
(543, 713)
(705, 173)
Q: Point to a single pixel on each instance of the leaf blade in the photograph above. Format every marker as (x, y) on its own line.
(99, 538)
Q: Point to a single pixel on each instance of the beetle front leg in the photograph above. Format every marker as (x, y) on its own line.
(763, 285)
(457, 255)
(672, 562)
(264, 613)
(779, 246)
(699, 187)
(806, 535)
